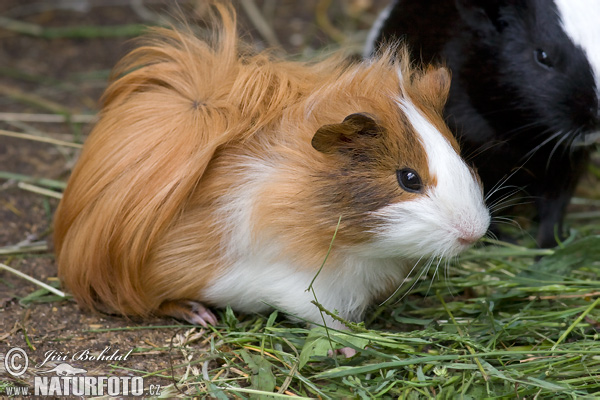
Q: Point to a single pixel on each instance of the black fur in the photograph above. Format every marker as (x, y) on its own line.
(510, 112)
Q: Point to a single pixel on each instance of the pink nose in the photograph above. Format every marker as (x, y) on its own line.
(467, 240)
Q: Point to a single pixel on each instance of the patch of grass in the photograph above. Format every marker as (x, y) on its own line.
(493, 327)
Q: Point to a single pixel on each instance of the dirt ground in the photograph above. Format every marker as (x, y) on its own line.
(67, 75)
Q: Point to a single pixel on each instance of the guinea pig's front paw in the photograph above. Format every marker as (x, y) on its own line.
(188, 310)
(347, 352)
(200, 315)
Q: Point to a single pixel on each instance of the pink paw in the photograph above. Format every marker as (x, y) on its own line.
(200, 315)
(347, 352)
(188, 310)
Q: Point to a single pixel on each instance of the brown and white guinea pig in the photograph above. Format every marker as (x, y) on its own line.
(525, 88)
(217, 177)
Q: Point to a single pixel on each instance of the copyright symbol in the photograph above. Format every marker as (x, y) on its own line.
(16, 361)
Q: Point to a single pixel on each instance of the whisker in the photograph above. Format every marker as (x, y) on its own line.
(544, 134)
(494, 207)
(435, 271)
(556, 146)
(545, 142)
(499, 186)
(446, 269)
(447, 273)
(523, 128)
(507, 197)
(512, 223)
(503, 219)
(481, 150)
(509, 222)
(509, 200)
(425, 271)
(491, 235)
(570, 147)
(572, 144)
(416, 280)
(406, 278)
(510, 205)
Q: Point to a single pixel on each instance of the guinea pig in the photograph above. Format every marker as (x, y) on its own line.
(523, 101)
(217, 177)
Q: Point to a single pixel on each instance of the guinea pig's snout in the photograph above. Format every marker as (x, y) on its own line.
(469, 233)
(467, 239)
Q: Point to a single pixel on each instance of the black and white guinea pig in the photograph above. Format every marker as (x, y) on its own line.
(217, 177)
(524, 95)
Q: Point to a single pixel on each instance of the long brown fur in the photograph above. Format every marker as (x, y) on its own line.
(136, 227)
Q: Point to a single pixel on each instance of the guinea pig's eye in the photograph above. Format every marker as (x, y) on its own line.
(409, 180)
(542, 58)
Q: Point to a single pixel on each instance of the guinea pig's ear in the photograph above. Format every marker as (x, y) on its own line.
(483, 16)
(354, 128)
(432, 87)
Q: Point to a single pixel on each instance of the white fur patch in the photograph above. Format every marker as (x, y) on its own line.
(581, 22)
(255, 283)
(434, 223)
(374, 32)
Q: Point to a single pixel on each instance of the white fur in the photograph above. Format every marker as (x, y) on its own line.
(237, 207)
(434, 223)
(254, 283)
(374, 32)
(581, 22)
